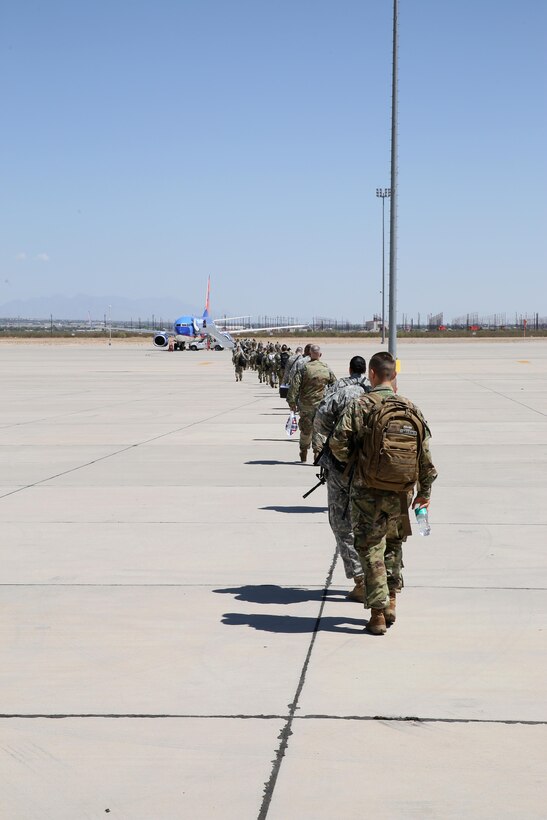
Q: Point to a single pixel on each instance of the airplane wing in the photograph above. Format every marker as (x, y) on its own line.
(266, 329)
(224, 319)
(223, 337)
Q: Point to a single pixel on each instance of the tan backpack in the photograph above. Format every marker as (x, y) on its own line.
(392, 443)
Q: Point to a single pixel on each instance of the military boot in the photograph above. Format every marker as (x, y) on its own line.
(303, 455)
(358, 591)
(389, 612)
(377, 622)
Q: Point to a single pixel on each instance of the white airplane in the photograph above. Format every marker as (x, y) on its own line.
(191, 330)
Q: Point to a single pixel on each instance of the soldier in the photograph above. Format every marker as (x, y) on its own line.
(291, 360)
(252, 358)
(252, 355)
(284, 357)
(386, 450)
(336, 399)
(260, 362)
(270, 366)
(305, 393)
(299, 363)
(239, 360)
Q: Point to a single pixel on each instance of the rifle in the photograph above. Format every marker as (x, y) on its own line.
(322, 476)
(349, 470)
(325, 449)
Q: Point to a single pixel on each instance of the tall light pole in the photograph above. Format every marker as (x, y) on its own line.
(109, 325)
(393, 209)
(383, 193)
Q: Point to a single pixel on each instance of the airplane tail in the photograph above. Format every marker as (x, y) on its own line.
(208, 325)
(207, 297)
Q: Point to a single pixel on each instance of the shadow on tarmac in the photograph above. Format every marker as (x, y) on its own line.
(292, 624)
(277, 440)
(272, 461)
(274, 594)
(296, 509)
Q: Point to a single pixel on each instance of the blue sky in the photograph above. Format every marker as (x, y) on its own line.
(148, 144)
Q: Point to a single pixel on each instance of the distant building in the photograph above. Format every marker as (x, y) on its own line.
(374, 325)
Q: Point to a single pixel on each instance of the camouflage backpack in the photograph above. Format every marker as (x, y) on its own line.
(392, 443)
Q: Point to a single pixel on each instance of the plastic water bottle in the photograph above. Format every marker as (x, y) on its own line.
(423, 521)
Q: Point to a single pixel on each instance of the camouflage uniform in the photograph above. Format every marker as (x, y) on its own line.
(376, 514)
(306, 391)
(270, 366)
(299, 364)
(274, 372)
(336, 399)
(237, 357)
(292, 359)
(260, 354)
(284, 356)
(252, 359)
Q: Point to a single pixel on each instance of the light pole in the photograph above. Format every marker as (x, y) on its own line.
(393, 208)
(383, 193)
(109, 325)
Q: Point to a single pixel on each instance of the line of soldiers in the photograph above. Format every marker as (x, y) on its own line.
(369, 490)
(373, 472)
(269, 361)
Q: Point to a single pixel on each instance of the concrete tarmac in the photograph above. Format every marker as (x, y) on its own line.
(175, 637)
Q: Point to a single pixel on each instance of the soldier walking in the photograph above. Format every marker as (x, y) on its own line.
(284, 357)
(239, 360)
(385, 437)
(299, 362)
(328, 413)
(260, 354)
(305, 393)
(290, 361)
(270, 365)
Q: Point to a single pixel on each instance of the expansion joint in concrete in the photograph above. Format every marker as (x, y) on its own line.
(286, 731)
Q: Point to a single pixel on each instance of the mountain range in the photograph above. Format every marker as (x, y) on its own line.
(84, 306)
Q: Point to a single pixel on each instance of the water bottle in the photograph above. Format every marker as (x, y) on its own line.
(423, 521)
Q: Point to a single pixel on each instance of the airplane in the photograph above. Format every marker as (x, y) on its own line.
(192, 331)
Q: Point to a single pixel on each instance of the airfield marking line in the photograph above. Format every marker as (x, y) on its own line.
(159, 584)
(503, 589)
(178, 716)
(132, 402)
(415, 719)
(126, 449)
(77, 412)
(286, 731)
(247, 522)
(515, 401)
(210, 586)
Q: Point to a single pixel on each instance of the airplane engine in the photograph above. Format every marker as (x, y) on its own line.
(161, 340)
